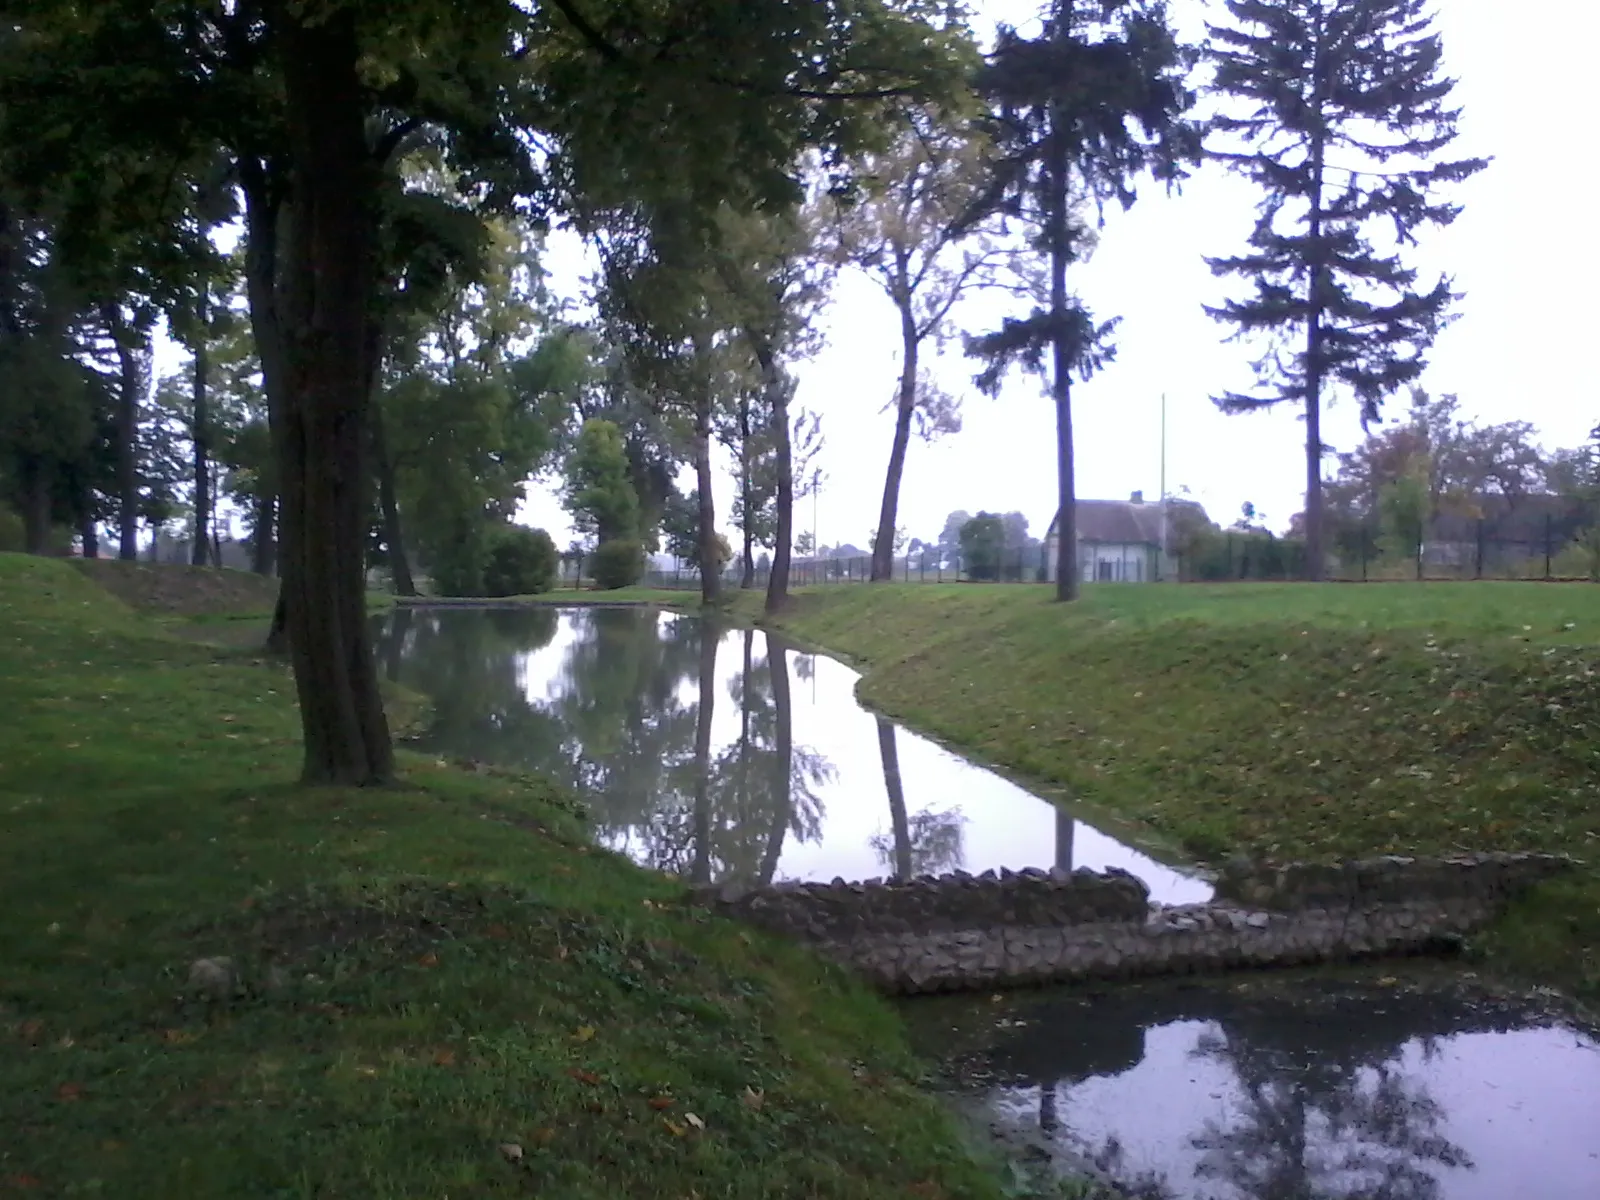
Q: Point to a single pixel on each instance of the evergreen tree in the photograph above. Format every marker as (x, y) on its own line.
(1341, 116)
(1081, 111)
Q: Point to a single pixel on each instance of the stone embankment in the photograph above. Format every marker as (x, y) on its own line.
(1032, 927)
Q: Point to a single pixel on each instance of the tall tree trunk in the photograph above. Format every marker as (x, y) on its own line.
(89, 534)
(1067, 568)
(393, 535)
(321, 438)
(278, 632)
(1315, 302)
(128, 385)
(710, 635)
(905, 411)
(36, 482)
(710, 569)
(889, 752)
(202, 437)
(747, 527)
(783, 760)
(263, 542)
(778, 407)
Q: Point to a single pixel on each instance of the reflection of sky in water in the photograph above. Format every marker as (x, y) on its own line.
(1523, 1105)
(1004, 826)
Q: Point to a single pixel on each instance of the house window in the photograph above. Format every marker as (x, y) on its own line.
(1107, 570)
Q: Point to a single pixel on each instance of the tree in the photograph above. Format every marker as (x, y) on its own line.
(1082, 111)
(313, 100)
(1342, 116)
(598, 493)
(983, 546)
(950, 536)
(805, 543)
(913, 234)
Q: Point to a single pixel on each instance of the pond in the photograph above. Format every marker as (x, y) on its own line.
(1329, 1086)
(726, 754)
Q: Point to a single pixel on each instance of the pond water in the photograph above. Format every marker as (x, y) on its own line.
(721, 754)
(726, 754)
(1336, 1086)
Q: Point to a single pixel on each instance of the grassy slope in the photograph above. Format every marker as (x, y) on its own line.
(1285, 720)
(426, 975)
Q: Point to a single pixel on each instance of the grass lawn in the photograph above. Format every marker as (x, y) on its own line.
(435, 991)
(1289, 721)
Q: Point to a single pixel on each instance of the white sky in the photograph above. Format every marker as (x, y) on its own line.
(1526, 252)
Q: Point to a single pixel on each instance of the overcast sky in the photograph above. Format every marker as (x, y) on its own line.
(1525, 252)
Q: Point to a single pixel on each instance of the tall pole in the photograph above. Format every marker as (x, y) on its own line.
(1161, 561)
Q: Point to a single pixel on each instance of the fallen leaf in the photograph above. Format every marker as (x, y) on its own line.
(585, 1033)
(544, 1135)
(444, 1058)
(510, 1151)
(583, 1076)
(673, 1127)
(428, 960)
(694, 1120)
(68, 1092)
(497, 931)
(21, 1182)
(753, 1099)
(660, 1102)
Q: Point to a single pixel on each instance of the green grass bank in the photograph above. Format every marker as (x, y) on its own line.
(1287, 721)
(439, 990)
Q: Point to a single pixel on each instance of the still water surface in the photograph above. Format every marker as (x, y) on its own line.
(1334, 1086)
(725, 754)
(721, 754)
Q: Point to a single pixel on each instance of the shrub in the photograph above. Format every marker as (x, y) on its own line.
(618, 563)
(519, 562)
(457, 568)
(11, 531)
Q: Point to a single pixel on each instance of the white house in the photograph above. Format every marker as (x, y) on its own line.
(1122, 541)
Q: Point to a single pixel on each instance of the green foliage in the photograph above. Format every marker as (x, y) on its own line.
(1404, 508)
(1208, 554)
(519, 562)
(983, 546)
(11, 532)
(598, 492)
(617, 563)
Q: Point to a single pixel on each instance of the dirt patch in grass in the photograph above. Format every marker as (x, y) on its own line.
(168, 589)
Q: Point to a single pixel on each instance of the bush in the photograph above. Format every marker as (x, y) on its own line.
(519, 562)
(11, 531)
(457, 568)
(618, 563)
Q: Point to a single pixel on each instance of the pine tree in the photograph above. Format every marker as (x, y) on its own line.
(1079, 113)
(1342, 113)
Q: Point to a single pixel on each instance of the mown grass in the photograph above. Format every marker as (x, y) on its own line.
(1286, 721)
(438, 990)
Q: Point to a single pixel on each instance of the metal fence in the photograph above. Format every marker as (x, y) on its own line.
(1550, 548)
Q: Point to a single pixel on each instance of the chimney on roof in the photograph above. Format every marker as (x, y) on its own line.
(1136, 498)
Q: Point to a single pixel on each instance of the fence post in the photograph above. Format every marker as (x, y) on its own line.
(1230, 556)
(1549, 536)
(1477, 572)
(1419, 554)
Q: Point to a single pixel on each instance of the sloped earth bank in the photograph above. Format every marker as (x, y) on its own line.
(215, 984)
(170, 589)
(1283, 722)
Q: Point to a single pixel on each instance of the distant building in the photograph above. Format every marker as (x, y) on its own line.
(1124, 541)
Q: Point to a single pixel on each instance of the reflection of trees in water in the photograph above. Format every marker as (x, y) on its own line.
(923, 843)
(1323, 1103)
(627, 719)
(1316, 1125)
(469, 665)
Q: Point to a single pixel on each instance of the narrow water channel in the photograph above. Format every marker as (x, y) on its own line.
(726, 754)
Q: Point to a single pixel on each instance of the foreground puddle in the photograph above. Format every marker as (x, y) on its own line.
(1330, 1086)
(725, 754)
